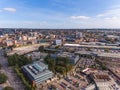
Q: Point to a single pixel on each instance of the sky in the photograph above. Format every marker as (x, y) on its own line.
(60, 14)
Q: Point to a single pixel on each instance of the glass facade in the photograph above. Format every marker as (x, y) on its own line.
(37, 72)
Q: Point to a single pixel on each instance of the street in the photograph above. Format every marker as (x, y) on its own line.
(13, 80)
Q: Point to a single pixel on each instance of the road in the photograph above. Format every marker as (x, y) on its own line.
(13, 80)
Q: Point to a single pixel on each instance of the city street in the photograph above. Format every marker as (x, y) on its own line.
(13, 80)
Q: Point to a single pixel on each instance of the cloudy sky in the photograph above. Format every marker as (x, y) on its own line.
(59, 13)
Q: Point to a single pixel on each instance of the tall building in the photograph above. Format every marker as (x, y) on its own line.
(79, 35)
(57, 42)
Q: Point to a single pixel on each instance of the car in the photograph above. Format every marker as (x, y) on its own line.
(63, 86)
(64, 83)
(70, 88)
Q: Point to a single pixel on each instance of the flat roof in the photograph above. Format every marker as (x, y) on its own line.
(92, 46)
(84, 52)
(110, 55)
(100, 54)
(36, 70)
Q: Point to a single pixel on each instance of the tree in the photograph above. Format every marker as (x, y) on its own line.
(106, 50)
(5, 54)
(51, 63)
(18, 60)
(60, 69)
(23, 79)
(8, 88)
(41, 48)
(3, 78)
(3, 47)
(103, 66)
(57, 47)
(61, 65)
(0, 66)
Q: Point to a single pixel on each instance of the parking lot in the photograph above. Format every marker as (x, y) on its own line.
(72, 82)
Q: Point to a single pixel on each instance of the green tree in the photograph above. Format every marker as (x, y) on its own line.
(3, 47)
(41, 48)
(0, 66)
(3, 78)
(51, 63)
(57, 47)
(23, 79)
(106, 50)
(4, 54)
(18, 60)
(61, 65)
(60, 69)
(8, 88)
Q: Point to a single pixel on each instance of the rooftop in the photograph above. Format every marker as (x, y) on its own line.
(101, 76)
(36, 69)
(92, 46)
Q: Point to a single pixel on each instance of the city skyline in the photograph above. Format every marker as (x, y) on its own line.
(59, 14)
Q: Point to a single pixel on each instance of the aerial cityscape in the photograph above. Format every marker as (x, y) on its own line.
(59, 45)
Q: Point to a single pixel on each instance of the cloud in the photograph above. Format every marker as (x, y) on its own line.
(111, 18)
(115, 12)
(55, 19)
(100, 15)
(0, 10)
(79, 17)
(9, 9)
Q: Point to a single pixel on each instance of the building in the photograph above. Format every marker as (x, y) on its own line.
(57, 42)
(72, 57)
(9, 43)
(103, 81)
(24, 38)
(101, 76)
(37, 73)
(112, 37)
(36, 55)
(79, 35)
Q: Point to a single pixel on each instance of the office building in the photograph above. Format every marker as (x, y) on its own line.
(57, 42)
(37, 73)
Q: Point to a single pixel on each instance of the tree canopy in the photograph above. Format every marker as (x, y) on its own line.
(0, 66)
(3, 78)
(41, 48)
(60, 64)
(8, 88)
(19, 60)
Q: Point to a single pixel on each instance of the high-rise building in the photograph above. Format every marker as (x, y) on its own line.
(79, 35)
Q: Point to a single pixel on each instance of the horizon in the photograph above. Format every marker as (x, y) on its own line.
(116, 29)
(60, 14)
